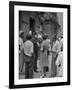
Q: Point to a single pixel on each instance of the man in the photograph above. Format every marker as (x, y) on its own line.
(55, 51)
(35, 54)
(28, 55)
(35, 40)
(21, 58)
(59, 63)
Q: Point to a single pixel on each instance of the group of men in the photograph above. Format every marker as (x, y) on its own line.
(30, 49)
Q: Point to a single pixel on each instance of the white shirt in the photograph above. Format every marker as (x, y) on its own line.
(56, 47)
(60, 59)
(28, 48)
(20, 44)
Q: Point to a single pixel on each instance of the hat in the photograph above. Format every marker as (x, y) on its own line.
(30, 32)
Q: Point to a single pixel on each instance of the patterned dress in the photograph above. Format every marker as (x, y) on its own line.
(44, 54)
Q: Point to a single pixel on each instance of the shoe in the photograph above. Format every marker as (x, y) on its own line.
(52, 76)
(21, 73)
(36, 71)
(43, 76)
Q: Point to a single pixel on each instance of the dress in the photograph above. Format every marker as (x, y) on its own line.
(44, 54)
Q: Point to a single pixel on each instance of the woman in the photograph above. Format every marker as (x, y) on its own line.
(44, 55)
(49, 56)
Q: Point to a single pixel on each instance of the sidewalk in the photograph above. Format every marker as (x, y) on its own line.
(36, 75)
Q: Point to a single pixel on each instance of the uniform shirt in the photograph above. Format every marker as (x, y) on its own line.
(28, 48)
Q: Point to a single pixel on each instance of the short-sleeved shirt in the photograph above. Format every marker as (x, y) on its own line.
(28, 48)
(56, 47)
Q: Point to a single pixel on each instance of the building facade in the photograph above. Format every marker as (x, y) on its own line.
(45, 22)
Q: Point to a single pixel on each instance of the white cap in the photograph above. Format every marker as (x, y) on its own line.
(39, 36)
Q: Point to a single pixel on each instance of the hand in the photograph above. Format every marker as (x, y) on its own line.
(59, 65)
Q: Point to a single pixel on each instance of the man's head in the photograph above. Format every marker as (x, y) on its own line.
(28, 37)
(21, 34)
(44, 37)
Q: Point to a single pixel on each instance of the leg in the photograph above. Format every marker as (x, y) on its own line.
(50, 63)
(21, 62)
(27, 66)
(26, 70)
(54, 67)
(35, 63)
(31, 69)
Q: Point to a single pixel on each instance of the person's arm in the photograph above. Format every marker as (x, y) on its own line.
(42, 47)
(57, 61)
(58, 48)
(49, 47)
(21, 44)
(32, 49)
(22, 49)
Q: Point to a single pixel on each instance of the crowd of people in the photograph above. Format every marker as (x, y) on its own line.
(38, 47)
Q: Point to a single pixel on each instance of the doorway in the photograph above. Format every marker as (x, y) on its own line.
(32, 25)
